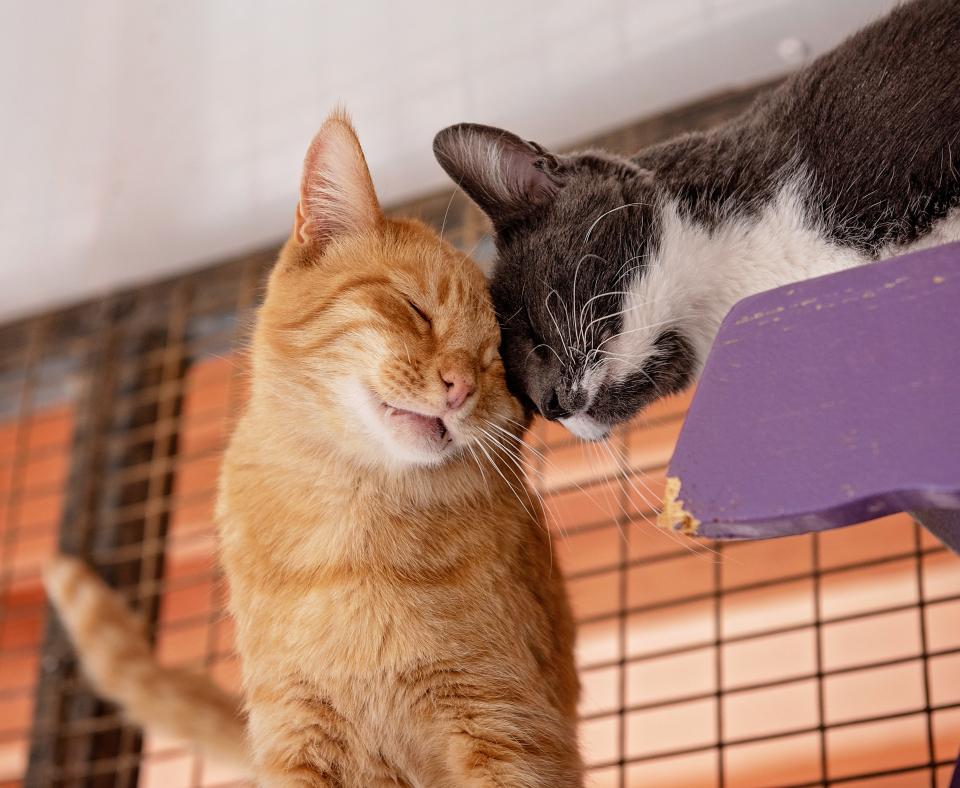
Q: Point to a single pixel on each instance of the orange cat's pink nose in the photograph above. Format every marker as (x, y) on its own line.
(460, 386)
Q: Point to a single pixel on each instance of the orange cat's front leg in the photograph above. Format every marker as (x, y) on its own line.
(299, 740)
(514, 750)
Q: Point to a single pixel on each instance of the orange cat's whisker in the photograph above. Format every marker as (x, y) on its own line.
(481, 444)
(527, 489)
(548, 463)
(524, 467)
(476, 459)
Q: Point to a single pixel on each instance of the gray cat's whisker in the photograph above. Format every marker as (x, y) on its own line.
(602, 295)
(646, 327)
(483, 237)
(443, 224)
(573, 483)
(571, 325)
(617, 314)
(638, 474)
(619, 468)
(811, 179)
(551, 349)
(576, 272)
(607, 213)
(580, 318)
(570, 338)
(546, 303)
(624, 462)
(625, 473)
(547, 462)
(622, 356)
(647, 375)
(580, 337)
(595, 451)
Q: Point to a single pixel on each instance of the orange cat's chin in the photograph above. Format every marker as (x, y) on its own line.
(399, 435)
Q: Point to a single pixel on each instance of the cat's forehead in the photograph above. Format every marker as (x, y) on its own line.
(415, 257)
(566, 256)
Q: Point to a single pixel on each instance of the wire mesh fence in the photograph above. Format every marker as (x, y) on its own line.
(830, 659)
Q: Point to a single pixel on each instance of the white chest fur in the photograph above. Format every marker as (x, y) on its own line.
(698, 274)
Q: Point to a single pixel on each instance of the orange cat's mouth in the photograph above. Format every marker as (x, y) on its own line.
(427, 435)
(401, 432)
(430, 427)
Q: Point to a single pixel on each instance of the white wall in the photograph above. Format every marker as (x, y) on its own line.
(142, 137)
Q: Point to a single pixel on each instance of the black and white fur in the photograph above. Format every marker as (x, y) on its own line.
(613, 273)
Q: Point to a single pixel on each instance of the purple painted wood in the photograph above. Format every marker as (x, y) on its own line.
(828, 402)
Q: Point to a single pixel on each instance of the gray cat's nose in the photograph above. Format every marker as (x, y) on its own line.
(551, 408)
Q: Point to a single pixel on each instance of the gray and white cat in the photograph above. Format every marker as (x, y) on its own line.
(613, 273)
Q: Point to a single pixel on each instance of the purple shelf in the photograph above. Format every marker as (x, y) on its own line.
(830, 402)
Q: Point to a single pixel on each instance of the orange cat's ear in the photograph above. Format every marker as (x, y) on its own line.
(336, 193)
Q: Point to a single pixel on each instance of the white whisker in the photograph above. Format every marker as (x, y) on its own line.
(546, 303)
(518, 473)
(629, 475)
(607, 213)
(482, 444)
(548, 347)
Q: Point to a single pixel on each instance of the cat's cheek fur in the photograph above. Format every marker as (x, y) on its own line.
(697, 274)
(402, 627)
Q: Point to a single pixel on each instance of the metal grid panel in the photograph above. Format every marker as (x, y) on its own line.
(41, 371)
(682, 653)
(831, 659)
(819, 659)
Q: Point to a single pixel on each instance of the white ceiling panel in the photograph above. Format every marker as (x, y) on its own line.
(142, 138)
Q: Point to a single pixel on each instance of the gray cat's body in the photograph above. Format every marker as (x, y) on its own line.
(613, 274)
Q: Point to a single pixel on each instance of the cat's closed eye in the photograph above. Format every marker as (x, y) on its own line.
(538, 347)
(420, 313)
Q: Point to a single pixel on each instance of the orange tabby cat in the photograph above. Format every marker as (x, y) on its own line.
(400, 619)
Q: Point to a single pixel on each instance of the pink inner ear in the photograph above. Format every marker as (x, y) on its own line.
(336, 194)
(317, 214)
(300, 226)
(526, 178)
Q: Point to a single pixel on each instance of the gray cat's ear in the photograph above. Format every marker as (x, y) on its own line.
(503, 174)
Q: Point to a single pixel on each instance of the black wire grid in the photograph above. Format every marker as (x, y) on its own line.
(816, 660)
